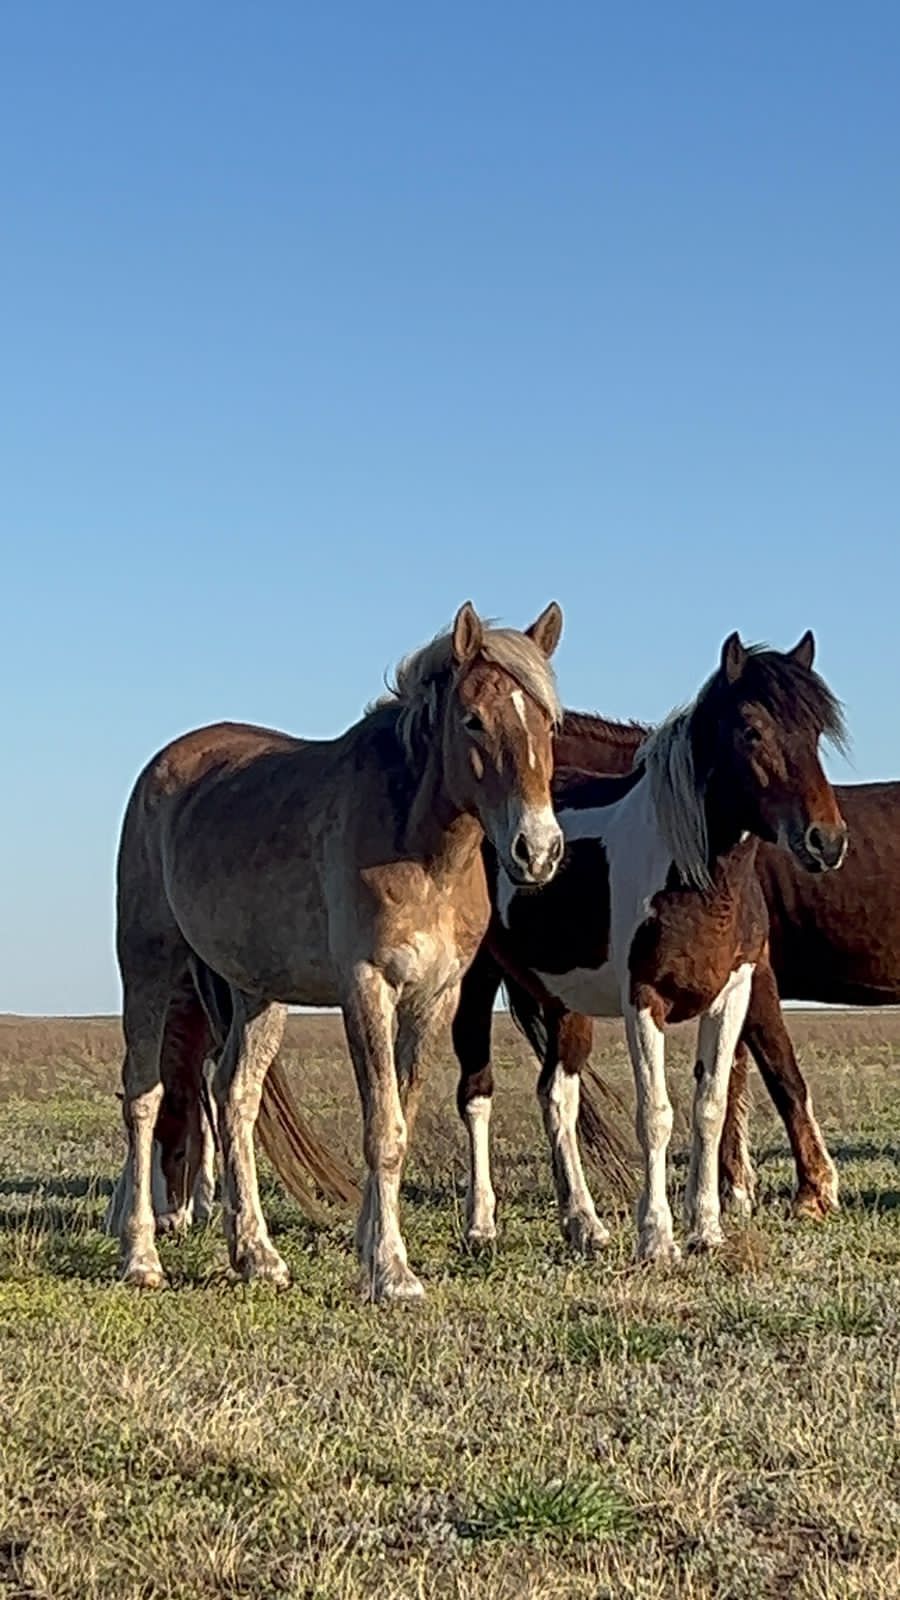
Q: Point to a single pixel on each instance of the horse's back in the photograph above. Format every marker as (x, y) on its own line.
(173, 774)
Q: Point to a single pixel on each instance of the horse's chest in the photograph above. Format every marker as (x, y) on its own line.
(428, 963)
(592, 991)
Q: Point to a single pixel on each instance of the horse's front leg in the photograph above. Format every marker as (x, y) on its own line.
(773, 1051)
(474, 1095)
(369, 1009)
(559, 1088)
(718, 1035)
(644, 1020)
(254, 1037)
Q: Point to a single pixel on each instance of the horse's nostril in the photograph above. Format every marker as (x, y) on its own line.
(520, 849)
(827, 845)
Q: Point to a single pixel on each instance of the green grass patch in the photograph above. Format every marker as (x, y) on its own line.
(556, 1510)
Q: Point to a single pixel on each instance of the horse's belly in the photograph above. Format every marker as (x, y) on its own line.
(594, 991)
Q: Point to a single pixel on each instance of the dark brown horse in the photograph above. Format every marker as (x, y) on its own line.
(346, 872)
(833, 939)
(657, 914)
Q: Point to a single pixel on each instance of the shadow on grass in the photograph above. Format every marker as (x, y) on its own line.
(843, 1153)
(93, 1188)
(875, 1200)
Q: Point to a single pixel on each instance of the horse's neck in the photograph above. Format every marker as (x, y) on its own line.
(724, 828)
(435, 830)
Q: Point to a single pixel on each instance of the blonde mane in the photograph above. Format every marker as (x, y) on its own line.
(421, 678)
(669, 763)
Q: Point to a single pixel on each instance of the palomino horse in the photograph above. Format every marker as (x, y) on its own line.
(346, 872)
(658, 915)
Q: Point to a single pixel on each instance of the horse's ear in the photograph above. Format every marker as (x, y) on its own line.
(733, 657)
(547, 630)
(466, 635)
(804, 653)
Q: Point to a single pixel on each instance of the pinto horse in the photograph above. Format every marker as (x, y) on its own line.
(833, 938)
(658, 915)
(346, 872)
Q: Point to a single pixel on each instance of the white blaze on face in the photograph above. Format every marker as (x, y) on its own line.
(527, 838)
(518, 700)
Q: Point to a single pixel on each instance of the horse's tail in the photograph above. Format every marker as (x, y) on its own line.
(600, 1108)
(298, 1154)
(527, 1014)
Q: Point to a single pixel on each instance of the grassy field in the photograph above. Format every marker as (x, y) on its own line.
(542, 1427)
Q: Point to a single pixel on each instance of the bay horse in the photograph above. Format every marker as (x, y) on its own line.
(658, 915)
(834, 939)
(344, 872)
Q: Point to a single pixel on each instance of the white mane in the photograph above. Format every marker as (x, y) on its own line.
(669, 763)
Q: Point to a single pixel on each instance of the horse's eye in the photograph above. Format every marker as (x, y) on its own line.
(473, 723)
(752, 735)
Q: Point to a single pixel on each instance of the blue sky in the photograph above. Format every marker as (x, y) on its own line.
(316, 321)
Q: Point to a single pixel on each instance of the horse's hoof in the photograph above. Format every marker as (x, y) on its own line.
(656, 1246)
(706, 1242)
(143, 1272)
(169, 1223)
(738, 1199)
(481, 1237)
(263, 1266)
(394, 1284)
(586, 1234)
(814, 1205)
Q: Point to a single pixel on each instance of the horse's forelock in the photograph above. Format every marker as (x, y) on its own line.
(421, 678)
(792, 694)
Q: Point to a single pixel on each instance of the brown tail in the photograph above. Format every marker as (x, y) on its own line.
(295, 1152)
(610, 1148)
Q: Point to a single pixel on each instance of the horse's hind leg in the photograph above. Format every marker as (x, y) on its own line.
(773, 1051)
(179, 1126)
(203, 1186)
(474, 1094)
(737, 1179)
(254, 1037)
(559, 1087)
(144, 1020)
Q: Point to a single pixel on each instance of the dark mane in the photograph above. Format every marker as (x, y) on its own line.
(792, 694)
(585, 725)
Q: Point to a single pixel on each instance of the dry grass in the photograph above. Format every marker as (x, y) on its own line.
(541, 1428)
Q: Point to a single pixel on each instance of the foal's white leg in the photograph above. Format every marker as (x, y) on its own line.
(559, 1097)
(250, 1048)
(719, 1031)
(481, 1202)
(369, 1009)
(646, 1042)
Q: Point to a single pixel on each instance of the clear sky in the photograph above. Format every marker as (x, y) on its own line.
(318, 320)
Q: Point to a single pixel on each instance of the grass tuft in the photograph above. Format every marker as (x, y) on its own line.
(558, 1510)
